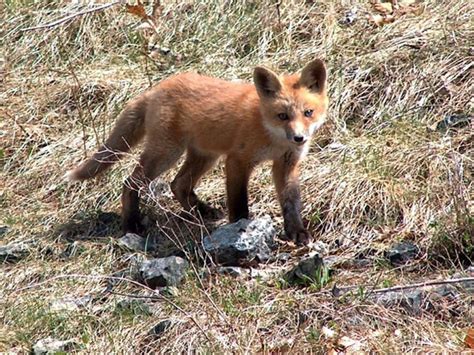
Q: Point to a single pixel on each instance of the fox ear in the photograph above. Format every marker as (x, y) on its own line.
(313, 76)
(266, 82)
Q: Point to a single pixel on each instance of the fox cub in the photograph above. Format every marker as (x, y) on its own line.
(271, 119)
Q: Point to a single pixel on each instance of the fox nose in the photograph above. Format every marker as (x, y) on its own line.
(299, 138)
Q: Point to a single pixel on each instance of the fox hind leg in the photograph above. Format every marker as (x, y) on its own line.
(195, 166)
(152, 164)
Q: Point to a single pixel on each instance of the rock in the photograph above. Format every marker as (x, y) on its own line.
(412, 301)
(265, 274)
(456, 120)
(161, 327)
(234, 271)
(307, 271)
(163, 271)
(70, 303)
(283, 257)
(135, 242)
(3, 230)
(13, 251)
(349, 17)
(241, 242)
(52, 346)
(332, 261)
(401, 253)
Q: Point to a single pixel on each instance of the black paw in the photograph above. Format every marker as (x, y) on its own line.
(209, 212)
(299, 236)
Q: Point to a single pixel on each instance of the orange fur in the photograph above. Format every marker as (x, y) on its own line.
(207, 117)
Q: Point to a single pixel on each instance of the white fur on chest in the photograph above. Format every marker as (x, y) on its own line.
(272, 152)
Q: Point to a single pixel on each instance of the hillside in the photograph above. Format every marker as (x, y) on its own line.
(394, 163)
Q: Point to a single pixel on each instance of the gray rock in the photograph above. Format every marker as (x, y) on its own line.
(70, 303)
(414, 302)
(265, 274)
(241, 242)
(283, 257)
(234, 271)
(401, 253)
(307, 271)
(3, 230)
(13, 251)
(161, 327)
(466, 285)
(349, 17)
(136, 242)
(52, 346)
(163, 271)
(456, 120)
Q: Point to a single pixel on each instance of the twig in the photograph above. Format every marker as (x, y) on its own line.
(423, 284)
(70, 17)
(156, 296)
(337, 291)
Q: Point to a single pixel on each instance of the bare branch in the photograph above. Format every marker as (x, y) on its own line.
(423, 284)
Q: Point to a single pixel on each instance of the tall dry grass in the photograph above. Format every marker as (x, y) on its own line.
(378, 172)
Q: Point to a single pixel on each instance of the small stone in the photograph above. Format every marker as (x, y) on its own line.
(283, 257)
(241, 242)
(163, 271)
(13, 251)
(332, 261)
(135, 242)
(52, 346)
(264, 274)
(234, 271)
(467, 286)
(412, 301)
(3, 230)
(306, 271)
(401, 253)
(70, 303)
(161, 327)
(452, 121)
(349, 17)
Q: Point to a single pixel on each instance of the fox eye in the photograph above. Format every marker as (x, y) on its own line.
(283, 116)
(308, 113)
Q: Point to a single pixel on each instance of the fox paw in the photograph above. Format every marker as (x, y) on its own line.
(209, 212)
(300, 236)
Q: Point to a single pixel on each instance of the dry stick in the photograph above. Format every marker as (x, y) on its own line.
(70, 17)
(423, 284)
(405, 287)
(157, 295)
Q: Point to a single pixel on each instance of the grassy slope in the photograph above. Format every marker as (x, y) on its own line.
(377, 172)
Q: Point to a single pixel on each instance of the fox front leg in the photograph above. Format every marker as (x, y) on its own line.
(286, 178)
(237, 178)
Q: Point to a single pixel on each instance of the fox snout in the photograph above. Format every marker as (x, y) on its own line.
(298, 138)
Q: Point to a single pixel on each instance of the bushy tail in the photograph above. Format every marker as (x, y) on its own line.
(128, 131)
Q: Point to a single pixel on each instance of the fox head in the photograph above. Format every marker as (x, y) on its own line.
(294, 106)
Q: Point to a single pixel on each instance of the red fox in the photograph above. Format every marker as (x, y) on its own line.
(208, 118)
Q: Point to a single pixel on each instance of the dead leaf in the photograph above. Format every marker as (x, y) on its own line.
(328, 332)
(383, 7)
(407, 2)
(380, 20)
(350, 344)
(469, 339)
(137, 10)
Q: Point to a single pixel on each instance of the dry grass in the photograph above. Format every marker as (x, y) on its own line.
(377, 173)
